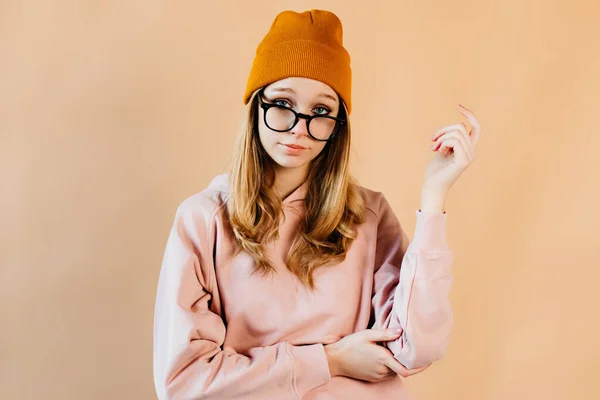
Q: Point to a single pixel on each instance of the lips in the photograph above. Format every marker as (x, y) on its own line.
(294, 146)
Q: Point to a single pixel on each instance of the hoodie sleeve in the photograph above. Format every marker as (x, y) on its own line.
(411, 286)
(189, 361)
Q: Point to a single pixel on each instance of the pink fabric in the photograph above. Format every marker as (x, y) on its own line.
(221, 332)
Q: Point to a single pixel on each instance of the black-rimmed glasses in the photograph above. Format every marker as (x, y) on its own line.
(282, 119)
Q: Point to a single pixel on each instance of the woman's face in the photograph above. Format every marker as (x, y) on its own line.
(295, 148)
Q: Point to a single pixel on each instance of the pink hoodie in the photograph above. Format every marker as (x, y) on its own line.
(221, 332)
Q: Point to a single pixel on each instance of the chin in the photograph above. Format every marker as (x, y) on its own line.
(284, 163)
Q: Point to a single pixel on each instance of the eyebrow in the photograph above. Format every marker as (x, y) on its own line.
(290, 90)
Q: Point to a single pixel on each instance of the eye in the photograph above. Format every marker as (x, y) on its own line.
(282, 102)
(322, 110)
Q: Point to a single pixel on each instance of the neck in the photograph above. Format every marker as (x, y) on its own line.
(289, 179)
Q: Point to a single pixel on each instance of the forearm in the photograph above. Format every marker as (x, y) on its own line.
(433, 201)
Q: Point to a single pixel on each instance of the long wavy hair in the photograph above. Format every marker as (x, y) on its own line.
(333, 204)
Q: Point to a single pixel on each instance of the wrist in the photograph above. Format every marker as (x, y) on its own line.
(432, 200)
(332, 361)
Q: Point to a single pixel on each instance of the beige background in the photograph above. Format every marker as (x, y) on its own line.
(113, 112)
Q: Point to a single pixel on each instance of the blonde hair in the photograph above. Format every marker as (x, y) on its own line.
(334, 206)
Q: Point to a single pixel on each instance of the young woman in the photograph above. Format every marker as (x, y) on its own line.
(285, 279)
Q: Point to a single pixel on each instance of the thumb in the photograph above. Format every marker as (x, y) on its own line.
(382, 335)
(392, 363)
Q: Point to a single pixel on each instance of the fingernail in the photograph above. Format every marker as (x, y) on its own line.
(398, 331)
(432, 146)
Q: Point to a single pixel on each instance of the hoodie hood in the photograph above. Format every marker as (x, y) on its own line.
(221, 184)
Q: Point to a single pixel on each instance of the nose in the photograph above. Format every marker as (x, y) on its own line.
(301, 128)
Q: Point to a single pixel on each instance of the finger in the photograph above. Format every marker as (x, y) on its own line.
(383, 370)
(445, 129)
(380, 335)
(460, 128)
(395, 365)
(401, 370)
(466, 143)
(377, 377)
(414, 371)
(467, 134)
(474, 123)
(451, 145)
(459, 152)
(388, 374)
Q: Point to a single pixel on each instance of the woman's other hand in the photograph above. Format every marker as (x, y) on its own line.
(359, 356)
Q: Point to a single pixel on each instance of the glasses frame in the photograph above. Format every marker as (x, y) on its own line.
(265, 106)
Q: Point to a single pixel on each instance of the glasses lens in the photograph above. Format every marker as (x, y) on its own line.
(280, 118)
(321, 127)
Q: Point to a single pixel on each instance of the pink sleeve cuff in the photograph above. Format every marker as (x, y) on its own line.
(311, 368)
(430, 232)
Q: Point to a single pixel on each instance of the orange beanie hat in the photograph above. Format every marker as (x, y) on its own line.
(307, 44)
